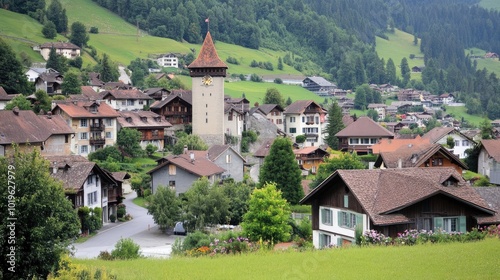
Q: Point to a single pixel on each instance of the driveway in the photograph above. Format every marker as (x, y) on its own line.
(141, 229)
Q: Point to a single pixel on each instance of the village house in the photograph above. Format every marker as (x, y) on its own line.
(319, 85)
(93, 122)
(379, 108)
(461, 141)
(66, 49)
(34, 73)
(50, 82)
(51, 135)
(5, 98)
(242, 105)
(157, 94)
(85, 183)
(126, 99)
(233, 123)
(489, 160)
(274, 113)
(176, 108)
(150, 125)
(168, 60)
(309, 158)
(360, 135)
(391, 201)
(305, 117)
(179, 172)
(229, 159)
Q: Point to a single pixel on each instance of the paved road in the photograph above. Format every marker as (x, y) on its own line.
(141, 229)
(123, 75)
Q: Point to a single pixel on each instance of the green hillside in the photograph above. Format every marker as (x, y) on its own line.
(399, 45)
(490, 4)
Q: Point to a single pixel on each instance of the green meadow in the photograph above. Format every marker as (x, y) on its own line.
(474, 260)
(490, 4)
(399, 45)
(459, 112)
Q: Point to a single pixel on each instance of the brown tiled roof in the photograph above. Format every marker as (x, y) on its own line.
(216, 150)
(116, 85)
(95, 79)
(264, 149)
(185, 95)
(27, 127)
(200, 166)
(267, 108)
(305, 186)
(437, 133)
(492, 196)
(492, 147)
(79, 109)
(150, 91)
(120, 176)
(309, 150)
(135, 119)
(51, 77)
(59, 45)
(4, 96)
(90, 93)
(416, 155)
(299, 106)
(208, 56)
(383, 192)
(125, 94)
(72, 170)
(390, 145)
(364, 127)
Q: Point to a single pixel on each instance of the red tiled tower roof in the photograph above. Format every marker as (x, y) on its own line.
(208, 57)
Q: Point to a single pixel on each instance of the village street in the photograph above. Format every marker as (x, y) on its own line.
(141, 229)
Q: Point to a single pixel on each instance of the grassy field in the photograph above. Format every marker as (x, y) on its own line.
(490, 4)
(478, 260)
(399, 45)
(459, 112)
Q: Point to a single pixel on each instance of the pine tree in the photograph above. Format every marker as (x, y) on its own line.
(72, 83)
(12, 77)
(281, 167)
(57, 15)
(335, 125)
(107, 71)
(405, 71)
(390, 72)
(280, 63)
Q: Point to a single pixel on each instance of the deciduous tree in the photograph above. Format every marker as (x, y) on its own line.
(45, 219)
(273, 96)
(128, 140)
(42, 102)
(79, 34)
(20, 102)
(72, 83)
(165, 207)
(193, 142)
(281, 167)
(343, 161)
(267, 216)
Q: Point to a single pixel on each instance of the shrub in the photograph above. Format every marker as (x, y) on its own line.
(112, 218)
(121, 211)
(126, 249)
(255, 78)
(94, 30)
(195, 240)
(278, 81)
(232, 60)
(105, 255)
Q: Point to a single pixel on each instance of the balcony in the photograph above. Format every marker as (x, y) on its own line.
(97, 141)
(97, 127)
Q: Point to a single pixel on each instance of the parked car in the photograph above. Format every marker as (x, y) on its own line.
(179, 229)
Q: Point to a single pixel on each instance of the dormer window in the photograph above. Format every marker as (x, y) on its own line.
(128, 119)
(93, 109)
(144, 119)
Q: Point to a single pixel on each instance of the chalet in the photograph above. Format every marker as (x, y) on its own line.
(309, 158)
(50, 82)
(379, 108)
(492, 197)
(462, 142)
(394, 127)
(361, 135)
(419, 155)
(157, 94)
(150, 125)
(126, 99)
(68, 50)
(491, 55)
(274, 113)
(489, 160)
(417, 69)
(93, 122)
(85, 183)
(34, 73)
(5, 98)
(391, 201)
(241, 105)
(305, 117)
(168, 60)
(179, 172)
(319, 85)
(95, 81)
(176, 108)
(446, 98)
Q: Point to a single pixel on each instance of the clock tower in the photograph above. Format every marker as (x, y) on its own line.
(208, 72)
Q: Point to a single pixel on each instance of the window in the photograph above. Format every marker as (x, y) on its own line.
(92, 198)
(450, 224)
(228, 158)
(373, 141)
(130, 102)
(141, 102)
(171, 185)
(303, 119)
(109, 135)
(365, 141)
(172, 169)
(83, 136)
(346, 201)
(230, 117)
(326, 216)
(457, 143)
(83, 123)
(66, 139)
(84, 149)
(292, 119)
(465, 143)
(124, 103)
(349, 220)
(353, 141)
(293, 130)
(109, 122)
(325, 240)
(427, 224)
(437, 161)
(90, 179)
(316, 120)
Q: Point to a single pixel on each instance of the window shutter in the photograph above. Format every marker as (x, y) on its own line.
(339, 218)
(339, 242)
(438, 223)
(321, 240)
(462, 221)
(346, 201)
(359, 220)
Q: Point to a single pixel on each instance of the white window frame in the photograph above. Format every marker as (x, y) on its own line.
(326, 216)
(84, 136)
(83, 123)
(84, 149)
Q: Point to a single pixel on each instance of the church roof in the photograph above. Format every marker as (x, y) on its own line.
(208, 56)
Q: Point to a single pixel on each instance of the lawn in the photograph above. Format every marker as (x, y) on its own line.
(475, 260)
(140, 201)
(399, 45)
(459, 112)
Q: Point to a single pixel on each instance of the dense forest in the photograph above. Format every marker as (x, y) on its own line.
(337, 35)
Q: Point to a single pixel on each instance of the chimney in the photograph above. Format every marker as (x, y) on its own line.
(16, 111)
(185, 149)
(400, 163)
(54, 168)
(49, 115)
(191, 156)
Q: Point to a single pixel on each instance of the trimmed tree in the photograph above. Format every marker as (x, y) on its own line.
(281, 167)
(45, 219)
(267, 216)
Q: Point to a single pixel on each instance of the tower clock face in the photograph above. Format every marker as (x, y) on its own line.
(207, 80)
